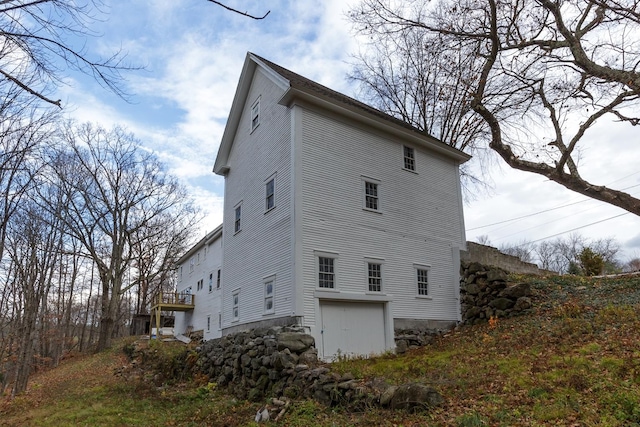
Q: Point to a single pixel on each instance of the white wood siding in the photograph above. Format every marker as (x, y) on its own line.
(207, 303)
(419, 220)
(263, 247)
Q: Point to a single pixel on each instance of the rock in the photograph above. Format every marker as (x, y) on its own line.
(516, 291)
(387, 395)
(474, 267)
(472, 312)
(501, 303)
(523, 303)
(415, 397)
(310, 356)
(295, 342)
(495, 274)
(401, 347)
(472, 289)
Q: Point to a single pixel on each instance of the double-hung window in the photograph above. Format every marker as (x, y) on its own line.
(326, 272)
(270, 197)
(210, 282)
(236, 305)
(374, 276)
(269, 284)
(218, 280)
(409, 156)
(237, 224)
(255, 114)
(371, 189)
(422, 279)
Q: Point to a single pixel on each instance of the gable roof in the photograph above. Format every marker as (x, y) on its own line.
(298, 87)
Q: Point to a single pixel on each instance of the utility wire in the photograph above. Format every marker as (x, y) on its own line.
(550, 209)
(577, 228)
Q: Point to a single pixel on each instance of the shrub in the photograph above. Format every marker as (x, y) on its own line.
(592, 262)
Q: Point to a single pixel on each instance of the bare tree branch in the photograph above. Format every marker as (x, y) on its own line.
(239, 12)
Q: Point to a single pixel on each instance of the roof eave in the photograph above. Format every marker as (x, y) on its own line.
(206, 240)
(296, 93)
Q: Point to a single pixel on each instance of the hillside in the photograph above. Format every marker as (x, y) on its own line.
(573, 361)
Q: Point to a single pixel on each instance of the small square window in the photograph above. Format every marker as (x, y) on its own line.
(237, 225)
(371, 195)
(255, 115)
(268, 295)
(423, 281)
(409, 158)
(374, 277)
(326, 272)
(270, 200)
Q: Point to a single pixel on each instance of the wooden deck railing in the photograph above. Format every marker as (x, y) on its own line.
(173, 298)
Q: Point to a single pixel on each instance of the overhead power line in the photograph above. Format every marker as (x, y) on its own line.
(578, 228)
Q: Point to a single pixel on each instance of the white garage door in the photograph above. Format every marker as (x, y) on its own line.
(352, 328)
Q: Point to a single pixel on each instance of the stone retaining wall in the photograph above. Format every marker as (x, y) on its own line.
(282, 361)
(485, 292)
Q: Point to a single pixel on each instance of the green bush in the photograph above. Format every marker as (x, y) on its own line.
(592, 263)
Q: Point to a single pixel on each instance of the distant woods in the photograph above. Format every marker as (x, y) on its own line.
(91, 224)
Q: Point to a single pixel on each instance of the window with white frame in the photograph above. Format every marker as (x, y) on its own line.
(210, 282)
(208, 323)
(236, 305)
(374, 276)
(192, 264)
(326, 272)
(218, 280)
(180, 274)
(269, 284)
(270, 196)
(219, 320)
(237, 224)
(422, 280)
(409, 156)
(371, 198)
(200, 284)
(255, 114)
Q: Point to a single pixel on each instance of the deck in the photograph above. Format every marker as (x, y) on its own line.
(169, 301)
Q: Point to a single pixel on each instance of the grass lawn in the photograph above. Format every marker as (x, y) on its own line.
(573, 361)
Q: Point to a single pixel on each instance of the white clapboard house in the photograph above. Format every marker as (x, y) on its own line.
(337, 217)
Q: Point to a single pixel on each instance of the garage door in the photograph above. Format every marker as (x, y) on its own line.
(352, 328)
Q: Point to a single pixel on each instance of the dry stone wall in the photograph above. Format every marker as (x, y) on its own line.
(282, 361)
(485, 292)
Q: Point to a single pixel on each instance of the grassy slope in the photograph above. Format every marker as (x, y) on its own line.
(575, 360)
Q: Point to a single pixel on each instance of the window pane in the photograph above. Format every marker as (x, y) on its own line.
(375, 277)
(325, 272)
(371, 195)
(237, 221)
(270, 190)
(423, 283)
(409, 158)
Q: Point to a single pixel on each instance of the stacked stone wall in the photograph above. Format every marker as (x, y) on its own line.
(282, 361)
(486, 292)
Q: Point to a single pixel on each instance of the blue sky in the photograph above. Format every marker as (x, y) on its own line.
(192, 53)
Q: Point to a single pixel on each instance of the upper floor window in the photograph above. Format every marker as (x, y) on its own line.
(255, 114)
(192, 264)
(218, 280)
(210, 282)
(237, 225)
(409, 158)
(326, 272)
(374, 271)
(200, 284)
(270, 200)
(371, 200)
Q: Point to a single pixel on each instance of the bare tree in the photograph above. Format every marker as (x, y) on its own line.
(524, 250)
(115, 190)
(36, 47)
(415, 76)
(546, 72)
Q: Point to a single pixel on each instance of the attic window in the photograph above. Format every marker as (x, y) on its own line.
(255, 115)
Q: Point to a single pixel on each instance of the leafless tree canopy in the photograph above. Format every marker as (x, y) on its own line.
(36, 47)
(542, 72)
